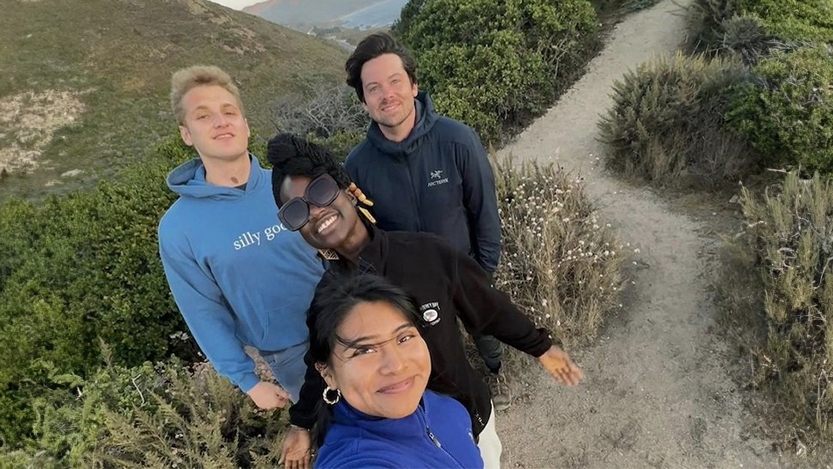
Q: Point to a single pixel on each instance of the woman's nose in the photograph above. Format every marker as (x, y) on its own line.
(392, 360)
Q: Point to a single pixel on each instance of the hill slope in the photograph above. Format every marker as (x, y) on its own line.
(85, 82)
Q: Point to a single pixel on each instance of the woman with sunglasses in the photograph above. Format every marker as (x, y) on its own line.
(365, 342)
(311, 189)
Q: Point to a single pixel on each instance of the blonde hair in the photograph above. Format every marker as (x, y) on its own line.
(199, 75)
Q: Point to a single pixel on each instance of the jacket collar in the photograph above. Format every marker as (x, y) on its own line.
(411, 426)
(372, 257)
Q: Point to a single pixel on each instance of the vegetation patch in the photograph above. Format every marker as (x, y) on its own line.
(786, 112)
(167, 415)
(666, 123)
(788, 237)
(496, 64)
(78, 269)
(560, 261)
(29, 120)
(757, 27)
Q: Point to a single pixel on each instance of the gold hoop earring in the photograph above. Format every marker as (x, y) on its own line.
(328, 399)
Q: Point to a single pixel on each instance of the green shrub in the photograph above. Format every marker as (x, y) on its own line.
(160, 416)
(339, 144)
(560, 261)
(793, 19)
(787, 113)
(666, 122)
(789, 233)
(494, 64)
(82, 268)
(755, 28)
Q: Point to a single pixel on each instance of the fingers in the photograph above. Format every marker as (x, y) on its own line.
(568, 376)
(280, 392)
(297, 460)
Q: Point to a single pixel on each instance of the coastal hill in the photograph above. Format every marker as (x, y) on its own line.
(85, 82)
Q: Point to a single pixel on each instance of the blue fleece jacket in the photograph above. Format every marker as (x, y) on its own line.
(437, 435)
(437, 180)
(238, 277)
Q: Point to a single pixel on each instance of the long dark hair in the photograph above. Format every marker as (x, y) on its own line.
(331, 305)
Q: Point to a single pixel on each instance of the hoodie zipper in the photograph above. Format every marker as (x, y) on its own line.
(424, 418)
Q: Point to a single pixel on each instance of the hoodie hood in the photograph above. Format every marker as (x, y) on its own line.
(426, 118)
(188, 180)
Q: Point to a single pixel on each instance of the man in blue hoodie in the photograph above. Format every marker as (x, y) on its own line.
(238, 277)
(425, 172)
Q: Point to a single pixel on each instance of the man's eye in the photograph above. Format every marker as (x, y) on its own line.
(202, 116)
(406, 338)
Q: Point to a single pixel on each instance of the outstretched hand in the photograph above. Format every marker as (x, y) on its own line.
(295, 449)
(268, 395)
(561, 367)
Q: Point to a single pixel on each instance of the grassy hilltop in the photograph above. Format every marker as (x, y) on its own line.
(85, 82)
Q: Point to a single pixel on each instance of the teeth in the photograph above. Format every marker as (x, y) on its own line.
(323, 226)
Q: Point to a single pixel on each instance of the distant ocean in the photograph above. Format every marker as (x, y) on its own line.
(378, 15)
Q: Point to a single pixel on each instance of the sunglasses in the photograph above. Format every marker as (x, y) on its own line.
(321, 192)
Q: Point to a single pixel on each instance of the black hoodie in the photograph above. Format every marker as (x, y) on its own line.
(437, 180)
(448, 285)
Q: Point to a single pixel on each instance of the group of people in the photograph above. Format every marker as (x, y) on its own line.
(349, 279)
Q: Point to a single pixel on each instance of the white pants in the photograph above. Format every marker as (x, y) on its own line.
(489, 444)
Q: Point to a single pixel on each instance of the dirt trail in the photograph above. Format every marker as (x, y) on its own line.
(659, 389)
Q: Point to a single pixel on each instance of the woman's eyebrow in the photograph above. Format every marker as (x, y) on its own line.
(362, 340)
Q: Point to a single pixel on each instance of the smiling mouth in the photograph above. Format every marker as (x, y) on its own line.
(389, 107)
(326, 223)
(223, 136)
(399, 387)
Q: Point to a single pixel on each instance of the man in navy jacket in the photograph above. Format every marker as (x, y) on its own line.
(424, 172)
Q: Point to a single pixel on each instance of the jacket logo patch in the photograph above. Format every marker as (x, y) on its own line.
(436, 178)
(431, 313)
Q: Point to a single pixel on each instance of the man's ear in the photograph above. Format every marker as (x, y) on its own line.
(186, 135)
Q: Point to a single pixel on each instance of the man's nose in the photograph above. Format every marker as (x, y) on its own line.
(220, 120)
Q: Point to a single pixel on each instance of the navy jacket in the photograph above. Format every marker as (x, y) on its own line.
(437, 180)
(437, 435)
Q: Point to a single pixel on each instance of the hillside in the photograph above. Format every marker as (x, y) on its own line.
(85, 82)
(349, 13)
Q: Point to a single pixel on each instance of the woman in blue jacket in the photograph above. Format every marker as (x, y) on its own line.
(375, 412)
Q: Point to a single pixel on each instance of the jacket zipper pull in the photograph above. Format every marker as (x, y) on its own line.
(433, 438)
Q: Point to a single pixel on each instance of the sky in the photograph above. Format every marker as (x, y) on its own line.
(236, 4)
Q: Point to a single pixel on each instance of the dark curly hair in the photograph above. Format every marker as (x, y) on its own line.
(368, 49)
(291, 155)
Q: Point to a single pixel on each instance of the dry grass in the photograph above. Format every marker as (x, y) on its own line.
(29, 120)
(560, 263)
(781, 315)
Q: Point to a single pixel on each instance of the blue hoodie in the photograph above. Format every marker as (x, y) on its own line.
(437, 435)
(238, 277)
(437, 180)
